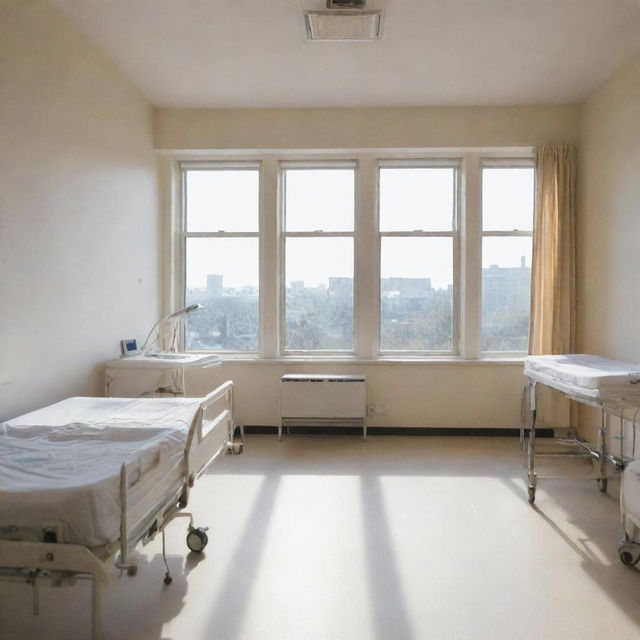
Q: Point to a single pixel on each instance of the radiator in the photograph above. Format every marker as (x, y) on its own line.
(323, 400)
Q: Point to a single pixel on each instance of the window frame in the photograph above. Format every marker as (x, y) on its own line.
(454, 234)
(283, 234)
(184, 167)
(366, 237)
(503, 163)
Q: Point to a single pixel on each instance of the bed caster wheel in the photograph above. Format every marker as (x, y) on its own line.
(197, 540)
(132, 571)
(629, 554)
(168, 579)
(237, 448)
(602, 484)
(532, 495)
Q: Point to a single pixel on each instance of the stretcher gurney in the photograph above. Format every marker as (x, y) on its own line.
(609, 385)
(85, 480)
(629, 549)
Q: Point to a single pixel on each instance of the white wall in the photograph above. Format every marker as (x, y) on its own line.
(609, 220)
(393, 127)
(609, 217)
(452, 395)
(427, 394)
(79, 215)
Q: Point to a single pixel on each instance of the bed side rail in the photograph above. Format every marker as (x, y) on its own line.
(210, 432)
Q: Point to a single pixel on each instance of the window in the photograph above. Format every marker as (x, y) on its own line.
(318, 221)
(417, 233)
(221, 257)
(507, 230)
(361, 255)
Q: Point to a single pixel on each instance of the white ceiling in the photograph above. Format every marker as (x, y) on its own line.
(253, 53)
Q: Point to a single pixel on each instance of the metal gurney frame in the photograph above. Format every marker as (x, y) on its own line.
(32, 562)
(582, 449)
(629, 547)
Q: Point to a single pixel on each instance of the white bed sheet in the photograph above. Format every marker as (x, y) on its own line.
(60, 466)
(176, 413)
(67, 478)
(587, 371)
(625, 395)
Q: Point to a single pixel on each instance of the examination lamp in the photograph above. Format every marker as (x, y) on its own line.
(176, 315)
(185, 311)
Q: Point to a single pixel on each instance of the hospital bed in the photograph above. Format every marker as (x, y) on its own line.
(611, 386)
(83, 481)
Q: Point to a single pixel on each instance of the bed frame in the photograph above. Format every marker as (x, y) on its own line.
(211, 432)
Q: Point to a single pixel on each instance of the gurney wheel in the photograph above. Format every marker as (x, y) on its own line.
(532, 495)
(627, 556)
(602, 484)
(132, 570)
(197, 540)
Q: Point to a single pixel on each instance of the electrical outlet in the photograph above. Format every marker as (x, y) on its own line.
(376, 409)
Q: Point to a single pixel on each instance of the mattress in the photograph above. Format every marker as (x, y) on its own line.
(176, 413)
(586, 375)
(60, 466)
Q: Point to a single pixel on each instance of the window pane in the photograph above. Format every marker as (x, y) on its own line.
(319, 199)
(416, 290)
(507, 198)
(222, 275)
(222, 200)
(319, 296)
(417, 198)
(506, 293)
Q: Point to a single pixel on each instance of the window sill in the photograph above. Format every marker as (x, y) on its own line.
(388, 360)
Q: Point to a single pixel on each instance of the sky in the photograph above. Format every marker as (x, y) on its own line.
(410, 199)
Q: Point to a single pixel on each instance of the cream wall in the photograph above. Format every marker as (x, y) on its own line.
(410, 127)
(79, 215)
(427, 394)
(451, 395)
(609, 220)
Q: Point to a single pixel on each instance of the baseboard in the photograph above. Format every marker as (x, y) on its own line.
(399, 431)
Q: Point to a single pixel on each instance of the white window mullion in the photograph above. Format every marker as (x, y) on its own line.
(269, 258)
(367, 260)
(471, 258)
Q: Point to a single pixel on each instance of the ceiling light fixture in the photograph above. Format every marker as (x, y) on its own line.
(345, 20)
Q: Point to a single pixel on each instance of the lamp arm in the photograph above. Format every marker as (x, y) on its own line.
(155, 326)
(185, 311)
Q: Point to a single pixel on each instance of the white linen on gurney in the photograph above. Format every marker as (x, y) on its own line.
(68, 478)
(631, 490)
(586, 375)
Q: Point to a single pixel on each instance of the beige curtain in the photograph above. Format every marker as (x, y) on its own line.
(553, 297)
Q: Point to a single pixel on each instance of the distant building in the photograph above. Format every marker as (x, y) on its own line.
(214, 285)
(340, 286)
(506, 289)
(405, 287)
